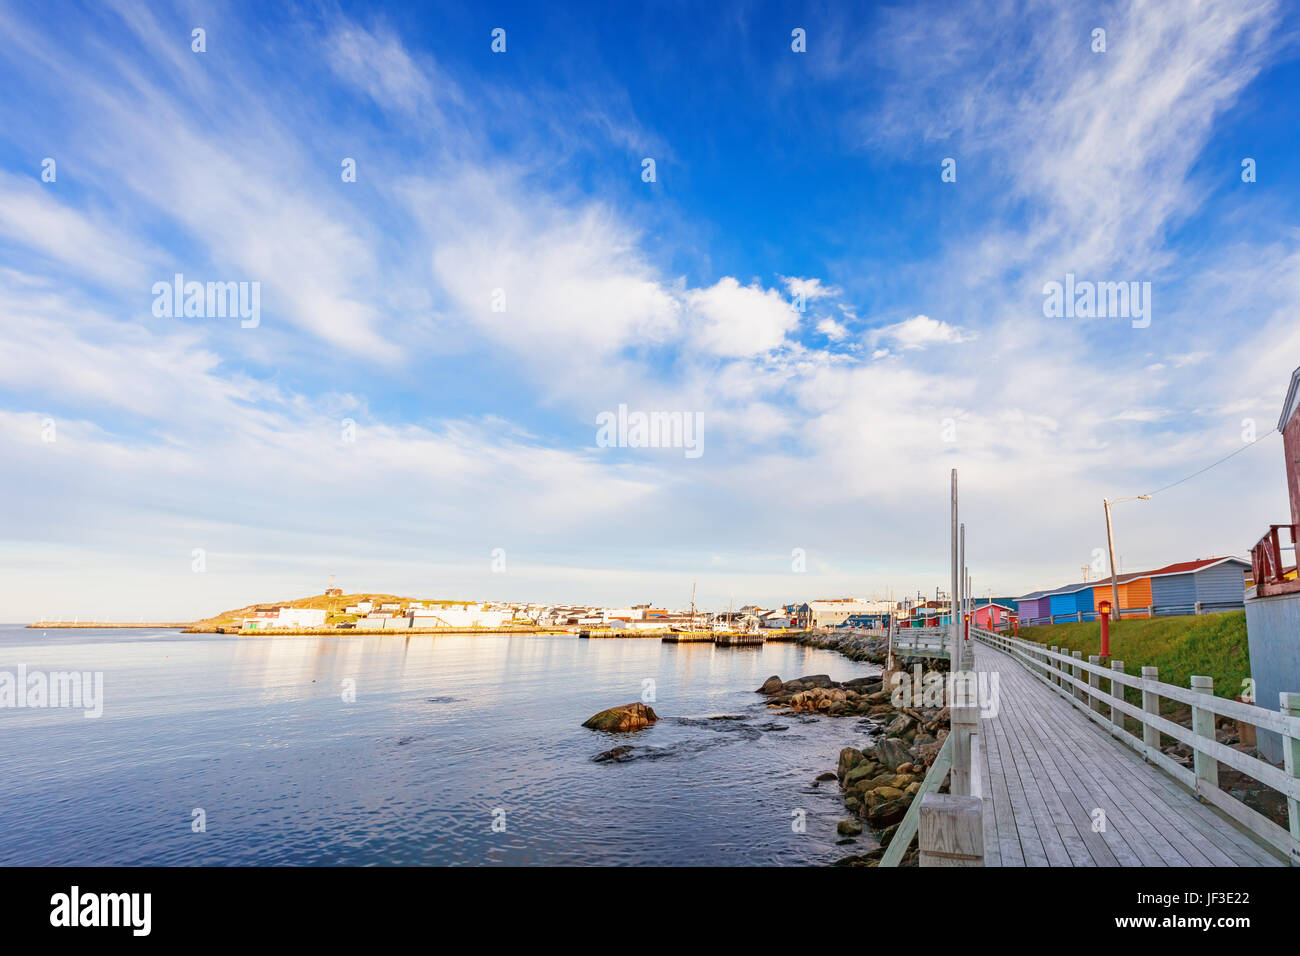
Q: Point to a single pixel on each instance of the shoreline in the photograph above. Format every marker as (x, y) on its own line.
(73, 626)
(878, 782)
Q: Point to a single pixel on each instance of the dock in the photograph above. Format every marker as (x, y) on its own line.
(739, 640)
(1057, 767)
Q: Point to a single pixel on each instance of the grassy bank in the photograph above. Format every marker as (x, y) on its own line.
(1208, 644)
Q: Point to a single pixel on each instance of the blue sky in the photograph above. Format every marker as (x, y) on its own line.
(922, 346)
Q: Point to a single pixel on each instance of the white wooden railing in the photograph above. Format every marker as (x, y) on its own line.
(1080, 682)
(920, 642)
(949, 827)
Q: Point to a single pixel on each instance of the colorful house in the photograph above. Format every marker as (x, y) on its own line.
(1034, 606)
(1273, 604)
(1134, 593)
(991, 616)
(1070, 600)
(1213, 583)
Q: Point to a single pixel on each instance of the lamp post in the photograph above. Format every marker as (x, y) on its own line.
(1104, 608)
(1110, 543)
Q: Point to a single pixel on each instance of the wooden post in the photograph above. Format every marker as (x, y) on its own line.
(1291, 761)
(965, 721)
(1076, 673)
(1207, 768)
(950, 830)
(1094, 702)
(1117, 690)
(1150, 705)
(889, 656)
(1198, 608)
(1054, 675)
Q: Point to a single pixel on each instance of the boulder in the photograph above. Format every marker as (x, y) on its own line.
(771, 686)
(891, 753)
(887, 814)
(850, 757)
(848, 828)
(811, 680)
(628, 717)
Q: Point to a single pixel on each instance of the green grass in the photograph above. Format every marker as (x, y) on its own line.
(1213, 645)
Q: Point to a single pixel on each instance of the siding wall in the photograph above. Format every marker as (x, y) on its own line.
(1062, 604)
(1221, 584)
(1037, 607)
(1174, 589)
(1135, 593)
(1291, 447)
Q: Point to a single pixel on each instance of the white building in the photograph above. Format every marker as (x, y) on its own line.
(460, 615)
(301, 617)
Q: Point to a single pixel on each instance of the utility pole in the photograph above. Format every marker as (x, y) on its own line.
(1110, 543)
(1114, 578)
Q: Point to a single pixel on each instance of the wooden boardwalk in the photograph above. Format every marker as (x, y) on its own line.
(1046, 770)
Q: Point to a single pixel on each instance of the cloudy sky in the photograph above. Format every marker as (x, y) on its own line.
(847, 324)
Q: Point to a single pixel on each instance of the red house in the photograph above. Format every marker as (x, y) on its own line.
(1272, 575)
(992, 617)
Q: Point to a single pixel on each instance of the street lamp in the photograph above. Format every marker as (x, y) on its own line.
(1110, 542)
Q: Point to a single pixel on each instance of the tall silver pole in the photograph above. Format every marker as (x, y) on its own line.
(954, 627)
(962, 603)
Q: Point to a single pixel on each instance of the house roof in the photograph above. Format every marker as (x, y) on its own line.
(1292, 400)
(1187, 567)
(1182, 567)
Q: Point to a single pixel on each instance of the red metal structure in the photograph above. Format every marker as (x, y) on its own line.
(1103, 615)
(1273, 575)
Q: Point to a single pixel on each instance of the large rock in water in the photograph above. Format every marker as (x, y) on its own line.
(771, 686)
(628, 717)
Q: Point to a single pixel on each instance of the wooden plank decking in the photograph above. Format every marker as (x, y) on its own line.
(1047, 769)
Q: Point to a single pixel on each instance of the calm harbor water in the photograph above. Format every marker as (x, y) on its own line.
(446, 735)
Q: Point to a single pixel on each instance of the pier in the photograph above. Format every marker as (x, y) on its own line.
(1058, 767)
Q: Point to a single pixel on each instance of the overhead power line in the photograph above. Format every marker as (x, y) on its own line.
(1271, 431)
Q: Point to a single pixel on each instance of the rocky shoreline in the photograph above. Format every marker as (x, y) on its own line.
(879, 782)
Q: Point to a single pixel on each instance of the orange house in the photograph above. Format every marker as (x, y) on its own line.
(1134, 592)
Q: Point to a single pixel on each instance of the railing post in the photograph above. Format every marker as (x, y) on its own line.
(1054, 674)
(950, 830)
(1094, 702)
(1291, 761)
(1076, 673)
(1207, 768)
(1116, 690)
(965, 721)
(1150, 705)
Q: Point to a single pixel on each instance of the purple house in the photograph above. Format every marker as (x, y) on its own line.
(1034, 606)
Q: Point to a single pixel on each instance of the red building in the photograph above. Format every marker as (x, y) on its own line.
(992, 617)
(1269, 558)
